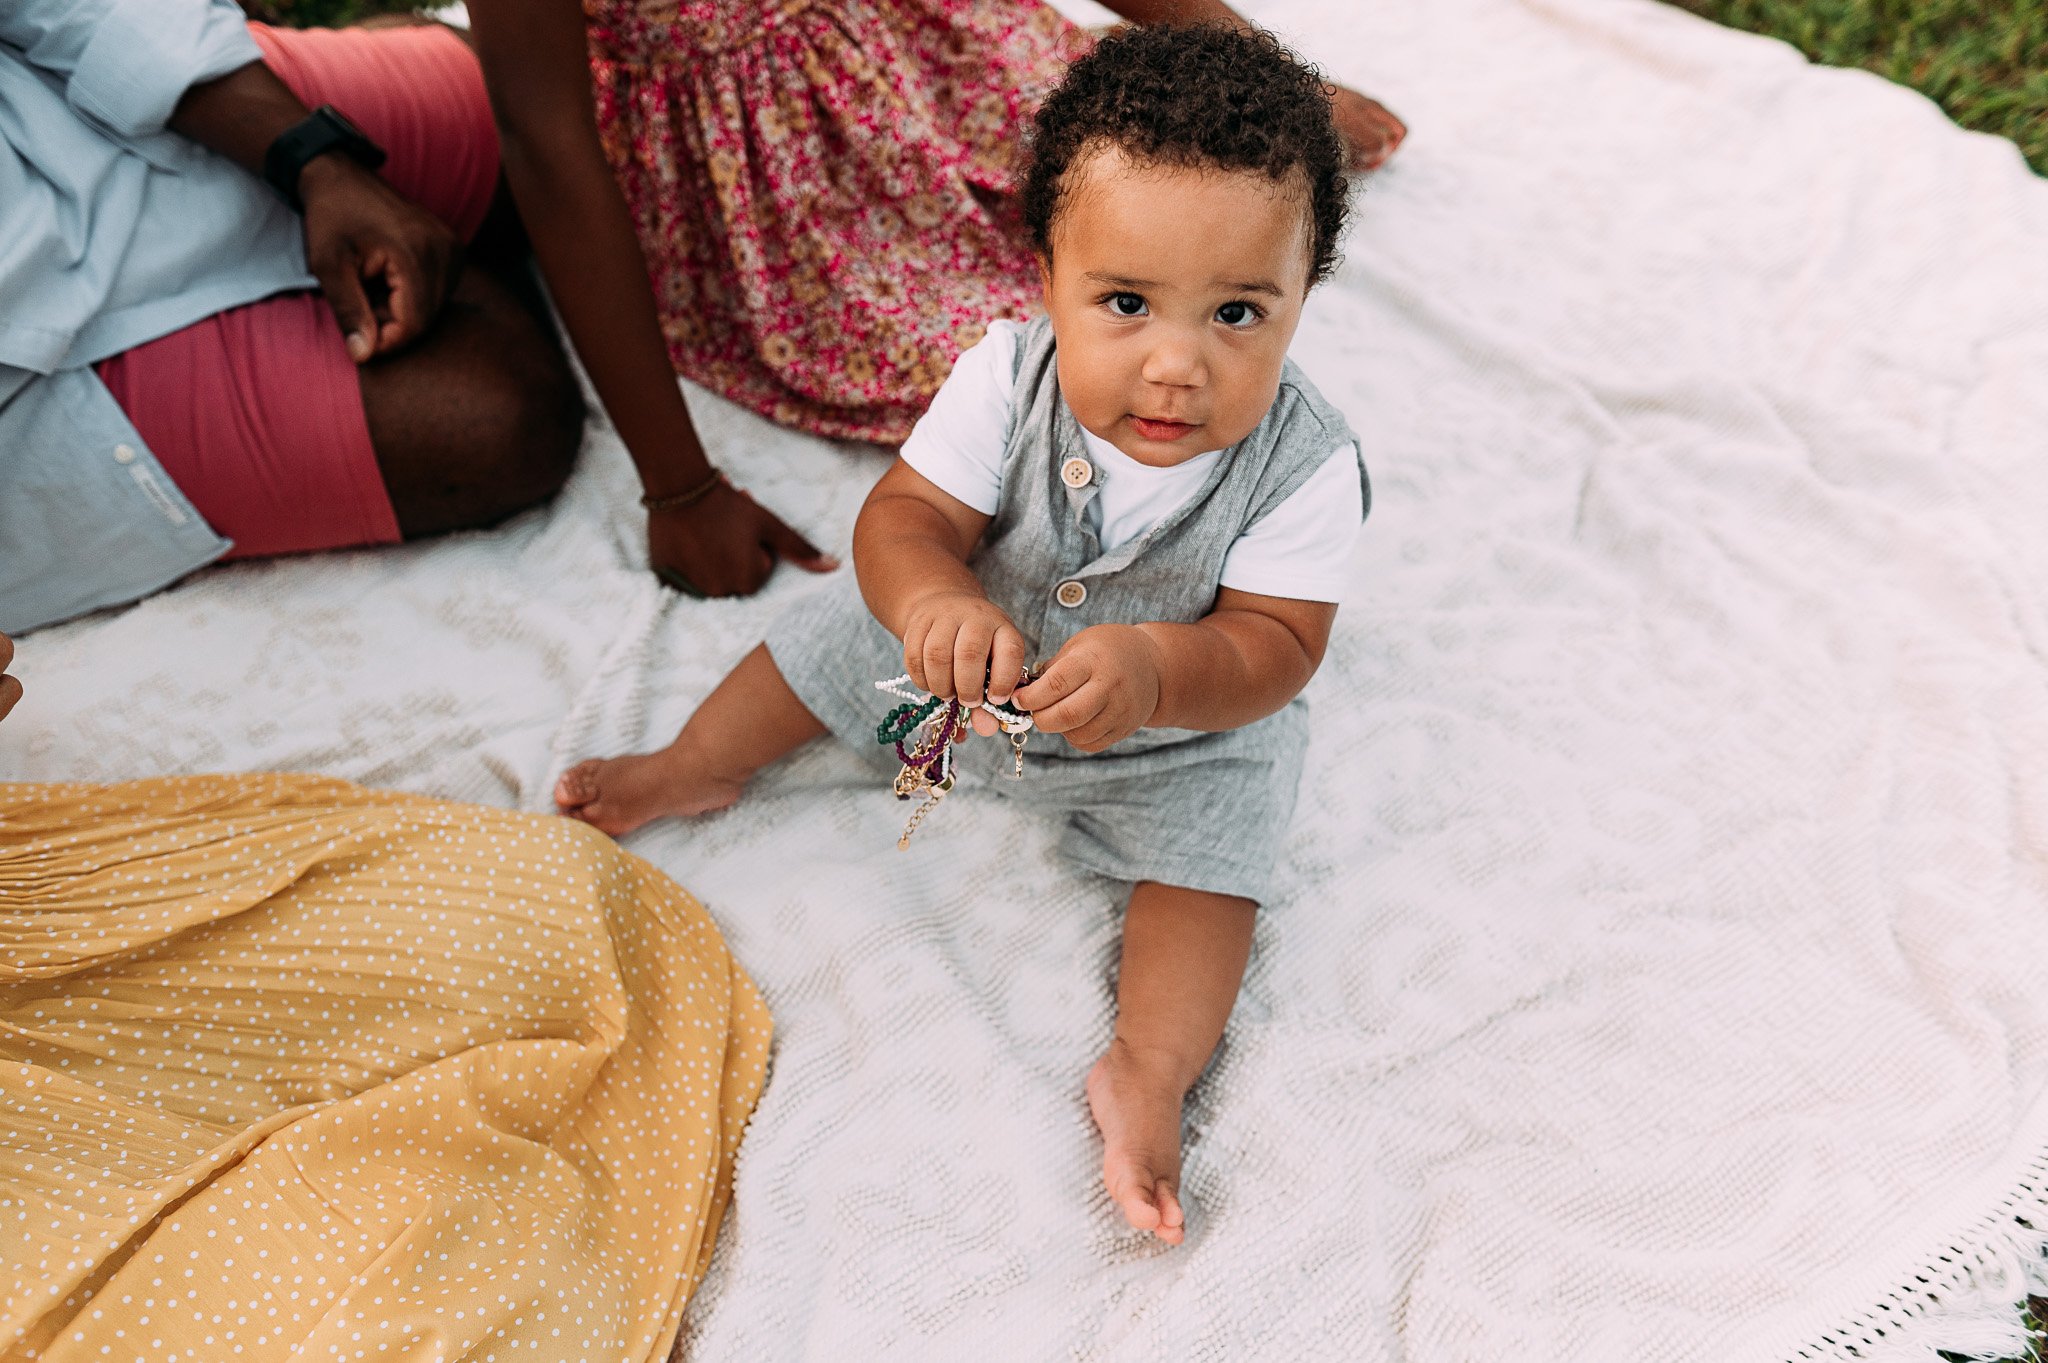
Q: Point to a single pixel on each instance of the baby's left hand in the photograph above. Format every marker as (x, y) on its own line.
(1098, 690)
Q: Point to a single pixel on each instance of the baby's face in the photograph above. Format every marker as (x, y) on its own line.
(1174, 294)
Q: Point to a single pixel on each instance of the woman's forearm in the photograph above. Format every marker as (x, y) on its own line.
(584, 240)
(536, 66)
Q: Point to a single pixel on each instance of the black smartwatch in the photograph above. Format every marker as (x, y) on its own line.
(325, 129)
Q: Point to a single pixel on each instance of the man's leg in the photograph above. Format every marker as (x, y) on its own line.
(482, 417)
(260, 418)
(479, 420)
(285, 446)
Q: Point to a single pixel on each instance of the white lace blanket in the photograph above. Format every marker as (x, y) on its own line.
(1661, 964)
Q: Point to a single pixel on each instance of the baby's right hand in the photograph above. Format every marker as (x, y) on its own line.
(953, 640)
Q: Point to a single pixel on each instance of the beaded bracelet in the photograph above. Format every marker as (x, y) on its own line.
(928, 761)
(676, 501)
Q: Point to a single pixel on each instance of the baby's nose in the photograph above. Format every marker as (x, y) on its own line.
(1177, 364)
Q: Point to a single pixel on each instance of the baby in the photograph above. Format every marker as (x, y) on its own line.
(1137, 491)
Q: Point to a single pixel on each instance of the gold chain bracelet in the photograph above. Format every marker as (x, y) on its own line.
(676, 501)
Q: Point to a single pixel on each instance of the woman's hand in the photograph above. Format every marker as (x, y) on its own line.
(1098, 690)
(1368, 127)
(10, 687)
(725, 544)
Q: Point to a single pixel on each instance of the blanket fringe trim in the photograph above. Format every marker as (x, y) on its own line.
(1965, 1303)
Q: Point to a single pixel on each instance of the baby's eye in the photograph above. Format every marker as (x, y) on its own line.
(1127, 304)
(1238, 314)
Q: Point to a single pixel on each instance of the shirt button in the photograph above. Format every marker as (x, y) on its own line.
(1071, 594)
(124, 454)
(1077, 473)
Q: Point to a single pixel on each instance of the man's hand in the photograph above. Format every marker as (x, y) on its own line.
(1098, 690)
(385, 264)
(1370, 131)
(953, 641)
(10, 687)
(725, 544)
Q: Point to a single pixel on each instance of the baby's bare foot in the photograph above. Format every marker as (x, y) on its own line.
(618, 794)
(1137, 1108)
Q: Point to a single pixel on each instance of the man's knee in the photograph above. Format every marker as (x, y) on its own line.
(532, 422)
(482, 420)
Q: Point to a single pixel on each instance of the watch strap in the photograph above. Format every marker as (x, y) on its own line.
(325, 129)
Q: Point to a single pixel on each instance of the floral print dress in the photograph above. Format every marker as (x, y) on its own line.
(824, 189)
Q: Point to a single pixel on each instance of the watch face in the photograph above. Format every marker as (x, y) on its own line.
(349, 137)
(342, 120)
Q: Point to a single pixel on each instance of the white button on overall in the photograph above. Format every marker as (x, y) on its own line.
(124, 454)
(1077, 472)
(1071, 594)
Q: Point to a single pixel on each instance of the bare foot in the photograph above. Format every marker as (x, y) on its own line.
(617, 794)
(1137, 1108)
(1370, 130)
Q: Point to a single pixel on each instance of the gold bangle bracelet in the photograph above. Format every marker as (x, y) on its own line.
(676, 501)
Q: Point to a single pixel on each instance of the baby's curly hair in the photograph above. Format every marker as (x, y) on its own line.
(1198, 96)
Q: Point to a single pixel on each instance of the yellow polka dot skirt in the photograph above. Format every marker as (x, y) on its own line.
(294, 1069)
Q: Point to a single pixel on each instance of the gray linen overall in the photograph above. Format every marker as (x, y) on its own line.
(1204, 811)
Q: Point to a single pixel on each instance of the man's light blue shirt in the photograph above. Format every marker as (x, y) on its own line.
(113, 231)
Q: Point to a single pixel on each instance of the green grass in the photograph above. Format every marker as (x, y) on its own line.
(1983, 61)
(2037, 1312)
(2037, 1323)
(320, 13)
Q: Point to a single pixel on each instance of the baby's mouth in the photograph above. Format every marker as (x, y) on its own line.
(1161, 430)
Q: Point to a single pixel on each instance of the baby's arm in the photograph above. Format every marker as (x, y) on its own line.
(1241, 662)
(910, 549)
(1245, 660)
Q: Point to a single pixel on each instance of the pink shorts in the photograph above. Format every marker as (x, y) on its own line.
(256, 413)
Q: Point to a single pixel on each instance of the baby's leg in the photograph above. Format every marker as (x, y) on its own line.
(751, 719)
(1183, 959)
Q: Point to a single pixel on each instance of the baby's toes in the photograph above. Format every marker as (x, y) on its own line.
(1131, 1186)
(1173, 1221)
(577, 786)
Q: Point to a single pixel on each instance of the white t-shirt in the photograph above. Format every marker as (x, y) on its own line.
(1301, 549)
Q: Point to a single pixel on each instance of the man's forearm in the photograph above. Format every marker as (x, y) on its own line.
(239, 115)
(126, 65)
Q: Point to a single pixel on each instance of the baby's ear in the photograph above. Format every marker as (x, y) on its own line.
(1045, 281)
